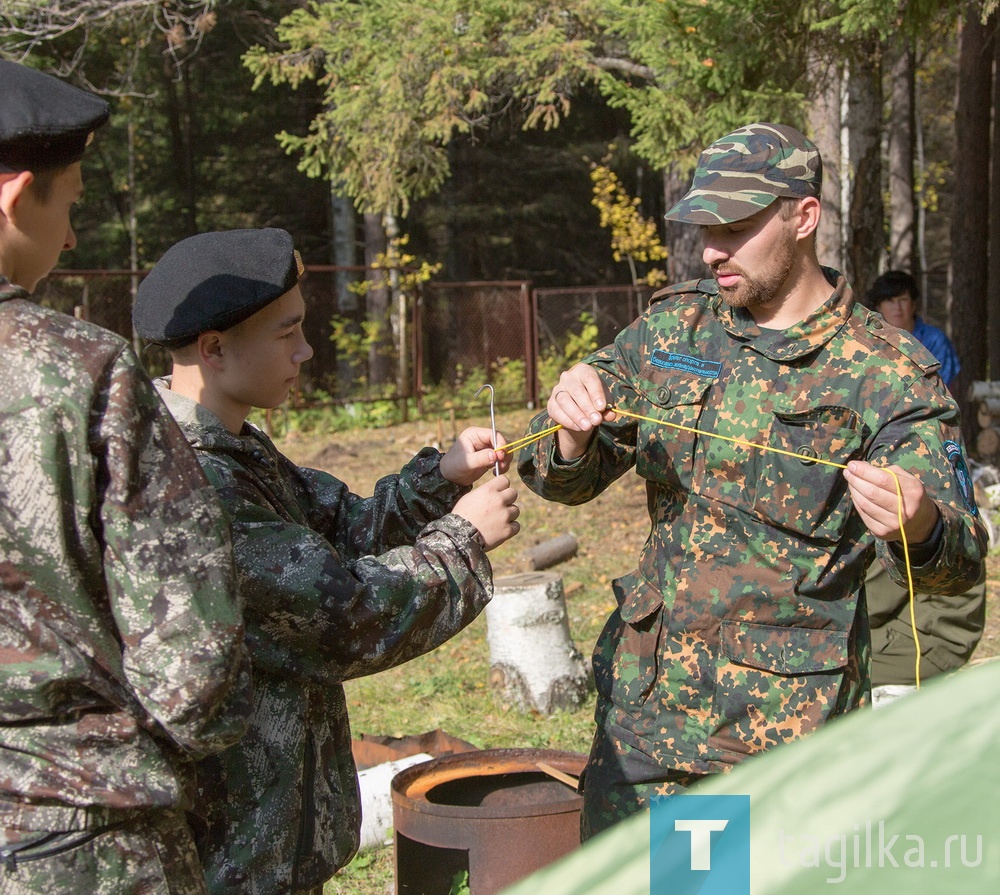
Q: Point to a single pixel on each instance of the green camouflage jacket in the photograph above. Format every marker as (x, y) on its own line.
(121, 645)
(335, 587)
(741, 627)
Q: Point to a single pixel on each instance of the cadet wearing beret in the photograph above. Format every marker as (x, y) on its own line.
(743, 624)
(334, 586)
(118, 662)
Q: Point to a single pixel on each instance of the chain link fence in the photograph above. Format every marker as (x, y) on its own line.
(560, 313)
(459, 336)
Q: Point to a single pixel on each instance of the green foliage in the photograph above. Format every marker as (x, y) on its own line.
(710, 67)
(506, 377)
(884, 18)
(370, 872)
(400, 78)
(321, 416)
(460, 884)
(204, 153)
(558, 358)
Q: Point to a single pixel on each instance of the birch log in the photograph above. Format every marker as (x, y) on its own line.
(533, 661)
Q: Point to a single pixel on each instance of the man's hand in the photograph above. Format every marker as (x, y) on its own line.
(873, 491)
(472, 454)
(492, 509)
(579, 403)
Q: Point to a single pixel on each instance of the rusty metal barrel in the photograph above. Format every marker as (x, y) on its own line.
(490, 817)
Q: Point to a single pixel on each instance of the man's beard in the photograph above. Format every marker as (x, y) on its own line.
(754, 291)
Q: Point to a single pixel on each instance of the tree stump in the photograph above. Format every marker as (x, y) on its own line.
(533, 661)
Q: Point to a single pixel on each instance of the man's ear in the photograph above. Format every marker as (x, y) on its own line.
(211, 349)
(808, 216)
(12, 187)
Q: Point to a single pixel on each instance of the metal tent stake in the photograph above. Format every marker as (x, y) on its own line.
(493, 422)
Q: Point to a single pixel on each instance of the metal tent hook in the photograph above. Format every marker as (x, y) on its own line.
(493, 421)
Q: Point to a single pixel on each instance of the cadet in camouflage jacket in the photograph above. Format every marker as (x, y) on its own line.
(121, 646)
(335, 586)
(283, 807)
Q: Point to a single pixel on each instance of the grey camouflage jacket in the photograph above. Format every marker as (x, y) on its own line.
(121, 644)
(742, 626)
(335, 587)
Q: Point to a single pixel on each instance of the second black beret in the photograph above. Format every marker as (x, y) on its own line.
(213, 281)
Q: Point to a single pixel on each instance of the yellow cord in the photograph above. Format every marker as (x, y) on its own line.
(538, 436)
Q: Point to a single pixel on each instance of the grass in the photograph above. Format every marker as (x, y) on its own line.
(449, 688)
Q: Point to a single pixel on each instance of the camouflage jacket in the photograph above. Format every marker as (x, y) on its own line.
(121, 645)
(741, 626)
(335, 587)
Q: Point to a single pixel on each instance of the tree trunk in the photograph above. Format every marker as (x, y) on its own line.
(178, 110)
(902, 196)
(533, 662)
(683, 241)
(401, 317)
(866, 236)
(993, 292)
(377, 308)
(826, 127)
(344, 247)
(968, 270)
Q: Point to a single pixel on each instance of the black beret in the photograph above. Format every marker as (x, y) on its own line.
(214, 281)
(44, 122)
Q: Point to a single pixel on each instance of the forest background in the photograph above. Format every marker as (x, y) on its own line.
(466, 130)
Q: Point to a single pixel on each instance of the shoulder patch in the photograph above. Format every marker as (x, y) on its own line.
(706, 287)
(962, 477)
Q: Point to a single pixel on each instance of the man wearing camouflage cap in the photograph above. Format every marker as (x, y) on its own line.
(121, 642)
(743, 625)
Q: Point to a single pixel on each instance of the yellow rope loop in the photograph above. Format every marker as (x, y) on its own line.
(538, 436)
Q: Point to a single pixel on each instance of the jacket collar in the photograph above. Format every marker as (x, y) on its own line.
(804, 337)
(10, 290)
(202, 428)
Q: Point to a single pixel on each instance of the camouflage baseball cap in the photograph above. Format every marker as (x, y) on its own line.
(746, 171)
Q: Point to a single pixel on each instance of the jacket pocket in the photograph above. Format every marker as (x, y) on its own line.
(774, 684)
(626, 657)
(674, 398)
(798, 493)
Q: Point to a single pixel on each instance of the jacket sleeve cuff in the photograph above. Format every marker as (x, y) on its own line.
(924, 553)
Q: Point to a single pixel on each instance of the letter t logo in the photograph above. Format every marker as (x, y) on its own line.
(701, 840)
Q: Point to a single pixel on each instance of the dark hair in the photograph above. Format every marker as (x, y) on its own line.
(41, 183)
(889, 285)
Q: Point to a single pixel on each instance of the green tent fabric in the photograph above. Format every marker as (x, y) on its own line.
(824, 810)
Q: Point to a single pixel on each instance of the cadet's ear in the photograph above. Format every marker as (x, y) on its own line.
(210, 352)
(12, 187)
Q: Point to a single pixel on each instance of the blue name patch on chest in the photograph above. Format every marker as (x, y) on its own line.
(709, 369)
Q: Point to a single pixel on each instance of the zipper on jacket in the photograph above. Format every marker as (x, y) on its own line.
(307, 816)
